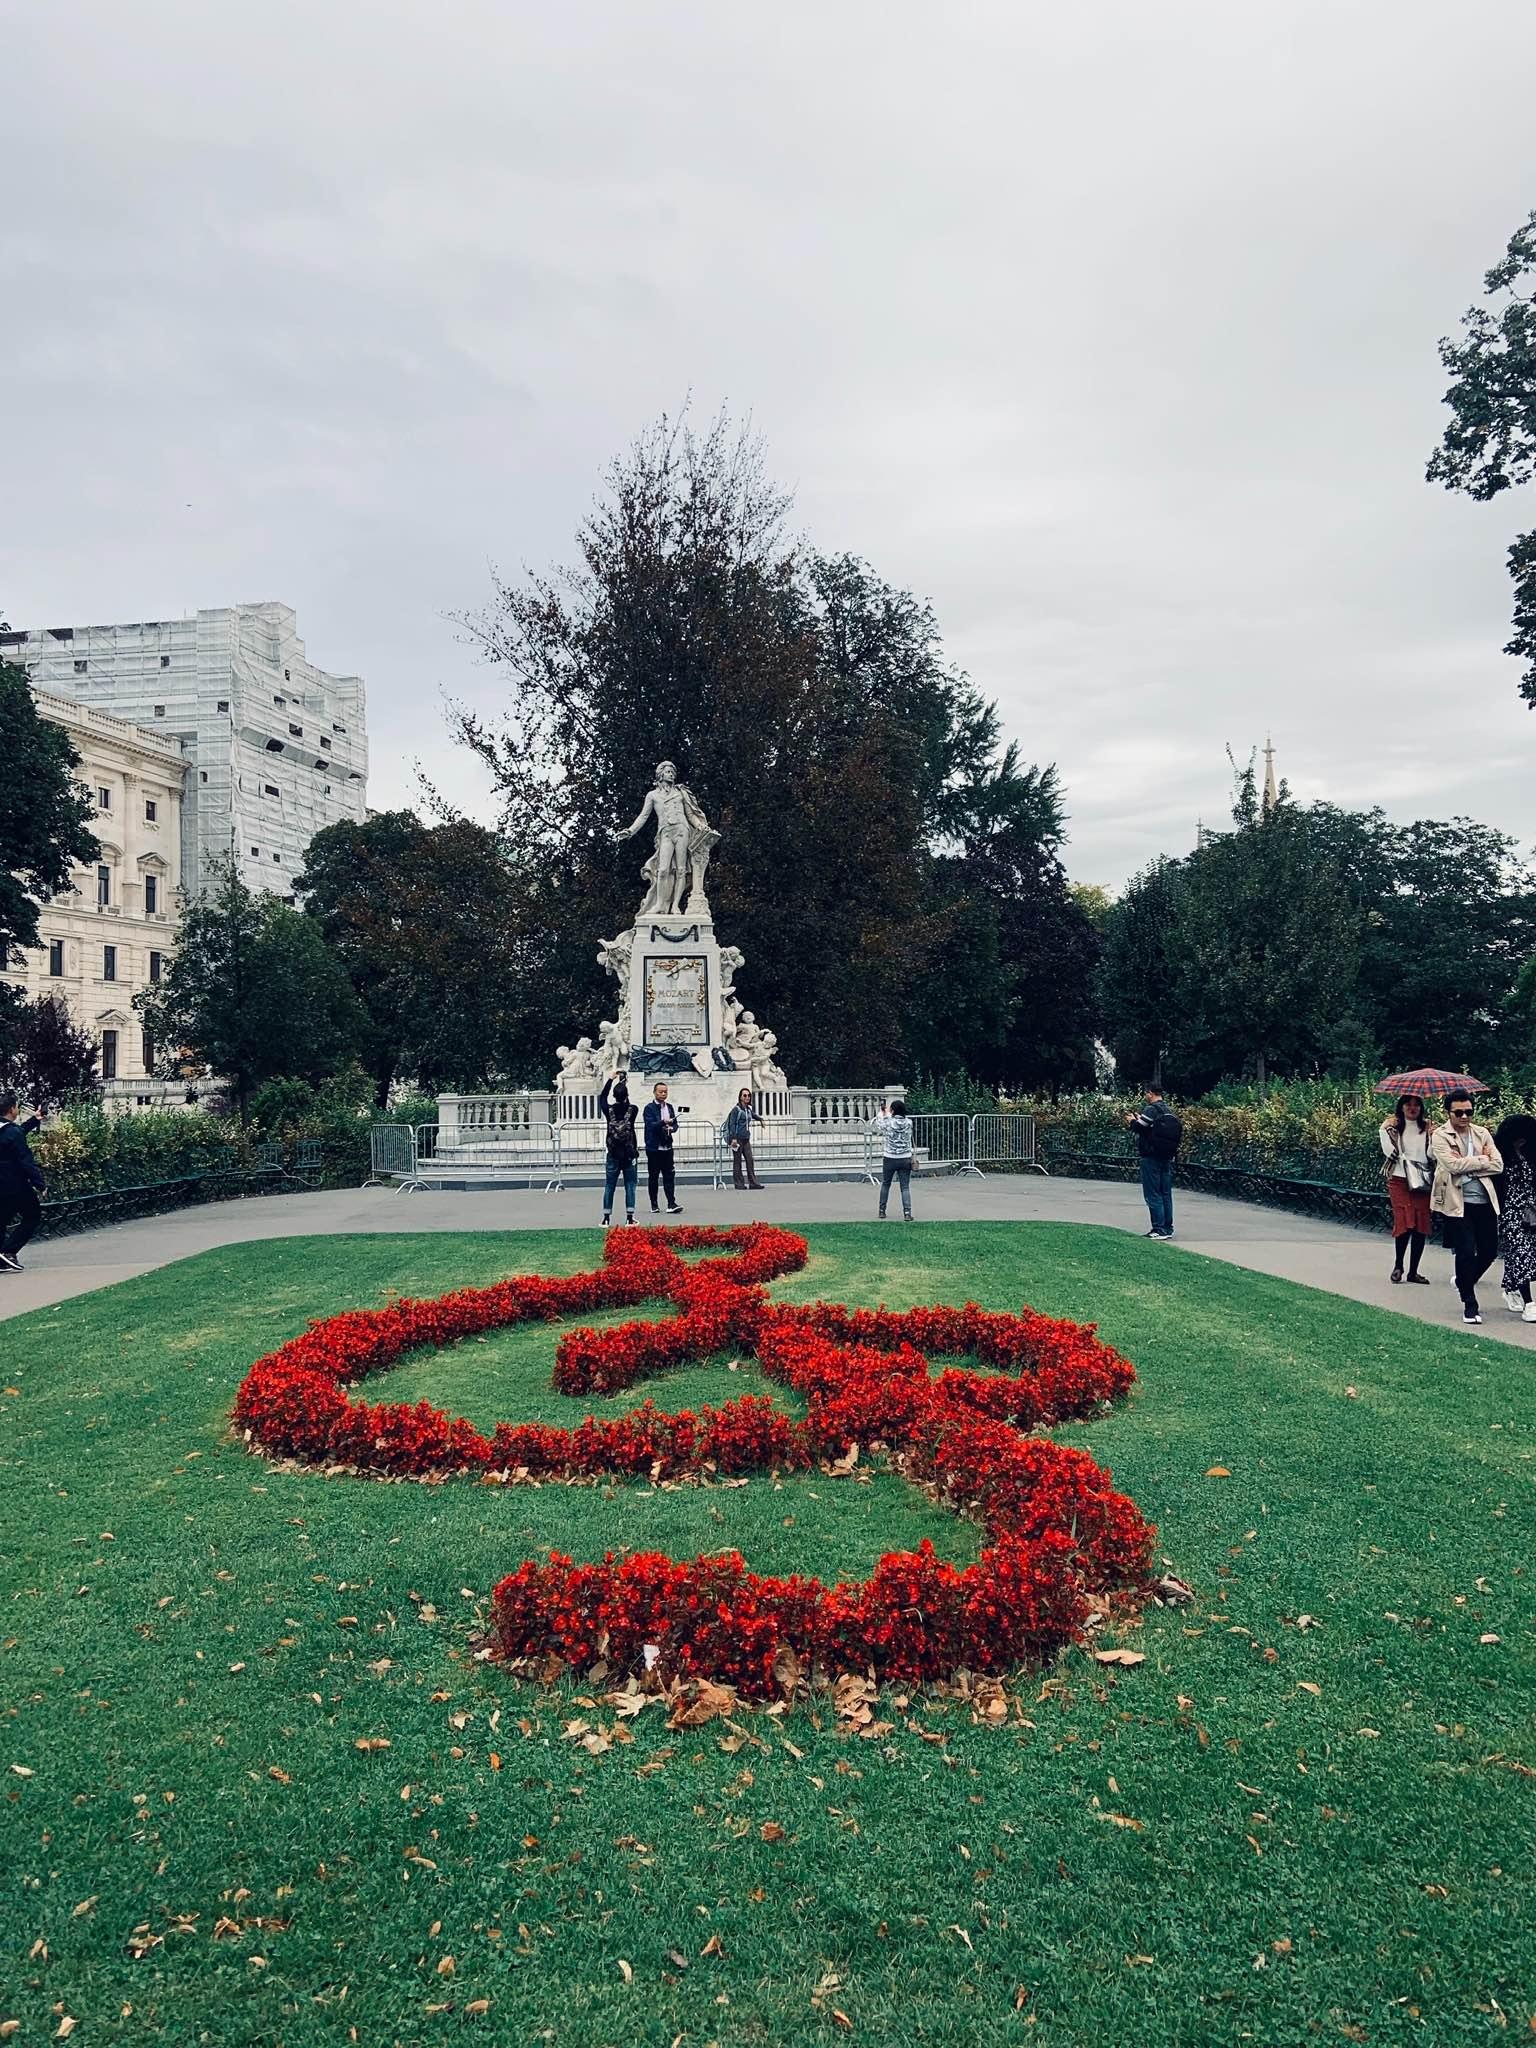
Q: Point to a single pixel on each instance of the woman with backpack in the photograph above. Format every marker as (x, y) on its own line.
(618, 1115)
(1409, 1170)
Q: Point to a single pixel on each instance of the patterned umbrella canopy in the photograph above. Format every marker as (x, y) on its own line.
(1430, 1081)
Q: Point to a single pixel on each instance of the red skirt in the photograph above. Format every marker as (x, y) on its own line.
(1410, 1207)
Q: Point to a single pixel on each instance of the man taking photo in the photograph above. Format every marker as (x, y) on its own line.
(1159, 1134)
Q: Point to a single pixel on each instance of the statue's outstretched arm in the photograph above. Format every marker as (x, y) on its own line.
(645, 811)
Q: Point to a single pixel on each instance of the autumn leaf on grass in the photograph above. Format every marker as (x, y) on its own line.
(1218, 1472)
(1122, 1820)
(771, 1831)
(1120, 1656)
(369, 1743)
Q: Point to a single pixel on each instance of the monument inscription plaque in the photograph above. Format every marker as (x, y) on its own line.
(676, 999)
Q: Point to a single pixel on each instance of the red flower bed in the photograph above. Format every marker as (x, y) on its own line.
(1056, 1528)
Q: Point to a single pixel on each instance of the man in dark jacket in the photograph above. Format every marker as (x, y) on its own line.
(1159, 1134)
(21, 1182)
(660, 1124)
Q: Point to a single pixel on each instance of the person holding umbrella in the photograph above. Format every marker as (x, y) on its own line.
(1466, 1161)
(1405, 1142)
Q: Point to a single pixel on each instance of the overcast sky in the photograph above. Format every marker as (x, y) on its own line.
(1110, 329)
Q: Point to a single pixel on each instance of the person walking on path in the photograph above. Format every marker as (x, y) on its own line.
(895, 1128)
(1405, 1139)
(1515, 1143)
(21, 1182)
(618, 1114)
(1159, 1134)
(1466, 1161)
(738, 1131)
(660, 1126)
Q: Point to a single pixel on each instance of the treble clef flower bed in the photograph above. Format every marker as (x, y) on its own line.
(1057, 1531)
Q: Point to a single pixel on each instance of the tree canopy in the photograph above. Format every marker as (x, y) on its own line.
(847, 762)
(252, 992)
(1490, 444)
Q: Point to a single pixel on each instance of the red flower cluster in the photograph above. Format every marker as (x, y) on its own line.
(1056, 1527)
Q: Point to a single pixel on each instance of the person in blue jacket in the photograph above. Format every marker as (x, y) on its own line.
(660, 1128)
(21, 1182)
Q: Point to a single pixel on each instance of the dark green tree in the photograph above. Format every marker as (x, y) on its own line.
(252, 992)
(1268, 947)
(1139, 972)
(429, 922)
(1490, 444)
(45, 815)
(808, 703)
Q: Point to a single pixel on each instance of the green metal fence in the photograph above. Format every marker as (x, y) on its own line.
(1340, 1182)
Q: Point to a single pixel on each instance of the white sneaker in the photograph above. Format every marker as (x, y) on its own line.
(1513, 1302)
(1528, 1312)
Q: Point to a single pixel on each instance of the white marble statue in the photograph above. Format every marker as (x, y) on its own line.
(612, 1047)
(684, 840)
(614, 954)
(577, 1062)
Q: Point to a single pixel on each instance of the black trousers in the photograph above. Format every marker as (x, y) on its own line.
(1474, 1238)
(22, 1204)
(658, 1167)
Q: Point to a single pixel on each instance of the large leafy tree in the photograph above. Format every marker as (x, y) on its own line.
(808, 703)
(1490, 444)
(45, 815)
(429, 923)
(1010, 997)
(1268, 948)
(252, 993)
(1139, 971)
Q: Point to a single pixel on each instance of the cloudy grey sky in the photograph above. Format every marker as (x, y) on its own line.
(1110, 329)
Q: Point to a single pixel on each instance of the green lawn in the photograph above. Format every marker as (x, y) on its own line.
(1334, 1824)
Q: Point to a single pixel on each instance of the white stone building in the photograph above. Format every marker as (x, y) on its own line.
(114, 931)
(276, 748)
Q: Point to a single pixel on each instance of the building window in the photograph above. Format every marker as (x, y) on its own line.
(282, 701)
(202, 774)
(327, 789)
(151, 895)
(149, 1054)
(325, 743)
(277, 856)
(297, 731)
(159, 711)
(55, 957)
(287, 677)
(269, 788)
(156, 962)
(81, 667)
(222, 705)
(165, 661)
(256, 853)
(151, 810)
(109, 1055)
(103, 887)
(109, 963)
(338, 728)
(103, 799)
(274, 746)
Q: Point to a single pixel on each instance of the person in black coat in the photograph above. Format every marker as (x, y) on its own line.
(618, 1114)
(21, 1182)
(660, 1127)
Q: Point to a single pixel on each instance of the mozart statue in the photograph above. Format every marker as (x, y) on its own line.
(684, 840)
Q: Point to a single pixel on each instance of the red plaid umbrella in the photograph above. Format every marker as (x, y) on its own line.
(1430, 1081)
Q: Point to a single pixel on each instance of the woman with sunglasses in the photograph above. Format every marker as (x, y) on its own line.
(1405, 1139)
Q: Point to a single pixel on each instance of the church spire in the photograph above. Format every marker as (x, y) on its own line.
(1271, 791)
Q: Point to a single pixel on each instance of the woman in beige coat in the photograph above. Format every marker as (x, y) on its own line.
(1466, 1159)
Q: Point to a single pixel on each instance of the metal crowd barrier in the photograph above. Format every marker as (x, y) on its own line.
(1004, 1138)
(414, 1157)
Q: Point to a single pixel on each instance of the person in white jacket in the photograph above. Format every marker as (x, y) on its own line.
(1405, 1137)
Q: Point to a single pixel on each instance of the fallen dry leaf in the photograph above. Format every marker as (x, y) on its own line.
(1306, 1685)
(626, 1972)
(1122, 1820)
(478, 2005)
(1218, 1472)
(23, 1771)
(369, 1743)
(771, 1831)
(1119, 1657)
